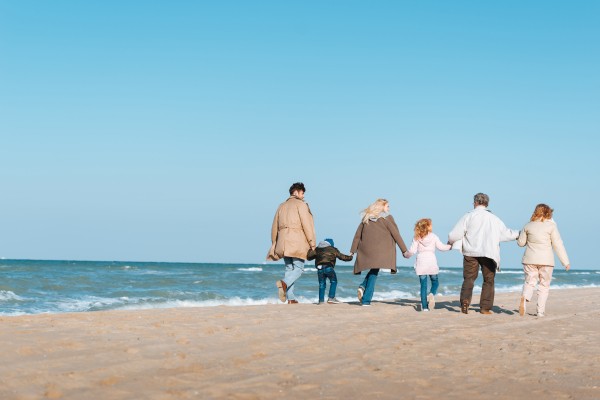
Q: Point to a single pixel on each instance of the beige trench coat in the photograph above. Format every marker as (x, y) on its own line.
(293, 230)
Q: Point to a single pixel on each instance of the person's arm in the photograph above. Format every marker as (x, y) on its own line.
(342, 256)
(559, 248)
(393, 228)
(412, 250)
(522, 239)
(357, 237)
(506, 234)
(441, 246)
(459, 230)
(308, 224)
(274, 227)
(312, 254)
(274, 231)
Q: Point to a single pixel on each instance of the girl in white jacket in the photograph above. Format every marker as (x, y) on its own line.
(424, 244)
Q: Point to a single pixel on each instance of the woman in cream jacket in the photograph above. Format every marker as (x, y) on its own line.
(540, 236)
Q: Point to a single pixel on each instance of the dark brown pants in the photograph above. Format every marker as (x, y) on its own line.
(470, 271)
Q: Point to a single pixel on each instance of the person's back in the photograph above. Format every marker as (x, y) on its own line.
(424, 244)
(427, 244)
(540, 238)
(289, 213)
(293, 232)
(326, 254)
(292, 236)
(480, 232)
(377, 240)
(425, 248)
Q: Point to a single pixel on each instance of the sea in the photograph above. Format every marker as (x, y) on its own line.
(41, 287)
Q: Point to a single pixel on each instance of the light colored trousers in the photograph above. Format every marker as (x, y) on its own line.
(533, 274)
(294, 267)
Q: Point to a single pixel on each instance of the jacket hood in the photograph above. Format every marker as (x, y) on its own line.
(323, 244)
(381, 215)
(427, 239)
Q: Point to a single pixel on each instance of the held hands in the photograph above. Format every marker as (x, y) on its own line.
(568, 267)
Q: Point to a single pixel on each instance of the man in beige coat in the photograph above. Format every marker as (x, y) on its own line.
(292, 236)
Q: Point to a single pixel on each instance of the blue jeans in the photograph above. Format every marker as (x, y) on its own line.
(294, 267)
(434, 287)
(323, 274)
(368, 285)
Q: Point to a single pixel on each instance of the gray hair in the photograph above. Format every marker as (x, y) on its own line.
(481, 199)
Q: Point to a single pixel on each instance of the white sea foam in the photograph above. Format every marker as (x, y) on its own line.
(573, 286)
(88, 303)
(7, 295)
(251, 269)
(233, 302)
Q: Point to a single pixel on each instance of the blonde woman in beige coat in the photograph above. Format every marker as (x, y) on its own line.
(292, 236)
(540, 237)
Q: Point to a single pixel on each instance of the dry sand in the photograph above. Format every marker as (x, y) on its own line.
(306, 351)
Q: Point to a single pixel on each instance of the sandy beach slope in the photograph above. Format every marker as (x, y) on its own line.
(305, 351)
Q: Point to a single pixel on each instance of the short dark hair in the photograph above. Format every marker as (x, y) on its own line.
(299, 186)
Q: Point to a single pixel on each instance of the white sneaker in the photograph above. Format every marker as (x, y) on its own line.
(333, 300)
(541, 314)
(425, 310)
(430, 301)
(360, 293)
(365, 305)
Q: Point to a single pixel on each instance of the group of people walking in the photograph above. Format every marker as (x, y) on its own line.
(477, 235)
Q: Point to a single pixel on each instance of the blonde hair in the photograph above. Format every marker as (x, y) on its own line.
(374, 210)
(542, 212)
(422, 228)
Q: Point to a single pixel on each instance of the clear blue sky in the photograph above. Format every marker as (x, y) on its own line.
(170, 131)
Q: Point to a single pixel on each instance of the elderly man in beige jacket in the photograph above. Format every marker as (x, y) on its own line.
(292, 236)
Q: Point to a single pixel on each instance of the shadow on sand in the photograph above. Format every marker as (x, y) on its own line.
(450, 306)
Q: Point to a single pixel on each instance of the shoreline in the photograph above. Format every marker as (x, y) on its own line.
(249, 302)
(300, 351)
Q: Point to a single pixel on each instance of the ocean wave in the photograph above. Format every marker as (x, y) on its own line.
(7, 295)
(251, 269)
(232, 302)
(567, 286)
(88, 303)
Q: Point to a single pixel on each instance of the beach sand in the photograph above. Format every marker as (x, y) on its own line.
(305, 351)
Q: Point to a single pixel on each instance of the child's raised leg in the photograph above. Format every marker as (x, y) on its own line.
(434, 287)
